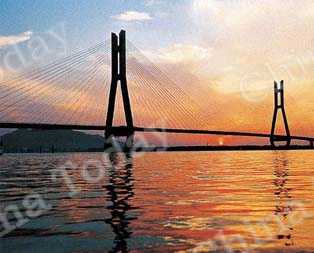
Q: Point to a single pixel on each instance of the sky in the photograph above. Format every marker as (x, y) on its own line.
(231, 50)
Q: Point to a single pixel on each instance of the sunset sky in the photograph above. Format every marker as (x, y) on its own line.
(224, 53)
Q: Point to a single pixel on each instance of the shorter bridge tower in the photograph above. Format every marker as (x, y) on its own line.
(279, 106)
(118, 71)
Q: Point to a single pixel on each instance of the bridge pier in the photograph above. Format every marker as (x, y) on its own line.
(279, 105)
(114, 141)
(118, 72)
(312, 143)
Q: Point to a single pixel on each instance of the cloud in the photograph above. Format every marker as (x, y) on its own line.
(179, 54)
(256, 39)
(130, 16)
(2, 74)
(151, 2)
(15, 39)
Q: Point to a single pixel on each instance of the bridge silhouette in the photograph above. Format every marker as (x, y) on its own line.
(17, 110)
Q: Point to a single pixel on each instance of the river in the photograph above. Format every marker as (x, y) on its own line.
(259, 201)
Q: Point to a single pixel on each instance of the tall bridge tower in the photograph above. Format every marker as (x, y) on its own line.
(118, 69)
(279, 106)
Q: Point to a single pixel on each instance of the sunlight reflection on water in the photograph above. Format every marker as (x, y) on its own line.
(166, 202)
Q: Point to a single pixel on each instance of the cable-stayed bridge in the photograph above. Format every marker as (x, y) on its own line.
(80, 92)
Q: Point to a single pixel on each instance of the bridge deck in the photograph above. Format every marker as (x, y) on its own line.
(142, 129)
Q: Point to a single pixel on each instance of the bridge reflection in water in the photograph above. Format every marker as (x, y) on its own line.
(284, 205)
(120, 192)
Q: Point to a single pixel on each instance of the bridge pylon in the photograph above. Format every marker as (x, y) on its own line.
(118, 72)
(279, 106)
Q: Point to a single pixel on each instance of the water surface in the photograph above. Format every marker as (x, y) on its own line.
(162, 202)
